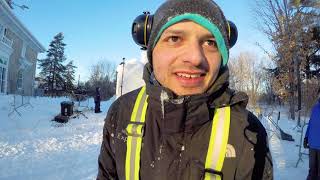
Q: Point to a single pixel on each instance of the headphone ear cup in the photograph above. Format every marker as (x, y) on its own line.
(149, 28)
(141, 29)
(233, 33)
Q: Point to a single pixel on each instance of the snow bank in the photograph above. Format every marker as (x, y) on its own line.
(129, 75)
(285, 154)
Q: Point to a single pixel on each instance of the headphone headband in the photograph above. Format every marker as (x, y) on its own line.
(142, 25)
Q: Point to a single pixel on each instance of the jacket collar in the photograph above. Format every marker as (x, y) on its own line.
(188, 113)
(218, 95)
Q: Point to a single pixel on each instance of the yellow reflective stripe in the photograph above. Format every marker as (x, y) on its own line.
(212, 137)
(129, 128)
(225, 138)
(145, 30)
(139, 129)
(229, 30)
(134, 143)
(136, 104)
(144, 110)
(208, 164)
(215, 157)
(128, 154)
(139, 140)
(132, 159)
(137, 158)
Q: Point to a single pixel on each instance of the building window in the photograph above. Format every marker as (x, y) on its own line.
(19, 80)
(2, 79)
(3, 74)
(5, 33)
(23, 51)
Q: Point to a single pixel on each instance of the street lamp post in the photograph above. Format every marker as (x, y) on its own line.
(122, 63)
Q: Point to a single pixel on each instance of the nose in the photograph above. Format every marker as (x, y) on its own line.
(194, 53)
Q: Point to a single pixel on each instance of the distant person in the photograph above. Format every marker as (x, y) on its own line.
(185, 123)
(312, 141)
(97, 100)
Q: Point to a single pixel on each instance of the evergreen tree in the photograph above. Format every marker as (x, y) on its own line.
(52, 68)
(69, 76)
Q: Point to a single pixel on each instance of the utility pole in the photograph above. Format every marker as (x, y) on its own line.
(122, 63)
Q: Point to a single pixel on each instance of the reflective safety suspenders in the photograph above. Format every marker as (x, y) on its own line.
(217, 144)
(135, 132)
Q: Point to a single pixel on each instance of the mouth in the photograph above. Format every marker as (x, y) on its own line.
(190, 75)
(190, 79)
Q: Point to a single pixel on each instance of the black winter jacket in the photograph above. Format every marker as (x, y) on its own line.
(176, 122)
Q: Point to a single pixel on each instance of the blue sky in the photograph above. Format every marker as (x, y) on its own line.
(101, 29)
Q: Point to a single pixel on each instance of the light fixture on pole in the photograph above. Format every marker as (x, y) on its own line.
(122, 63)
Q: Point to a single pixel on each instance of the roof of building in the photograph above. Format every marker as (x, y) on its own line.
(18, 25)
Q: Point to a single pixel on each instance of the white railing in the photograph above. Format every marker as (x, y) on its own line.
(7, 41)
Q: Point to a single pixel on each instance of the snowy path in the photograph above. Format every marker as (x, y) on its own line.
(285, 153)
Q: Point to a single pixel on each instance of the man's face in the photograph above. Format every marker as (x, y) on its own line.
(186, 59)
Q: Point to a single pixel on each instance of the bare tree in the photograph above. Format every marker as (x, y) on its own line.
(286, 25)
(103, 76)
(311, 89)
(246, 74)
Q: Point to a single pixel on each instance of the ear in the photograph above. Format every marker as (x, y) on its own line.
(141, 29)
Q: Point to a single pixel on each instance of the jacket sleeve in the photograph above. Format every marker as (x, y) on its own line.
(257, 160)
(311, 117)
(268, 167)
(307, 132)
(262, 153)
(106, 161)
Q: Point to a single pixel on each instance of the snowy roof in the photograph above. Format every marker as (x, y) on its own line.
(18, 27)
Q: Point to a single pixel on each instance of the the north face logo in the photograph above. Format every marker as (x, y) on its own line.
(230, 151)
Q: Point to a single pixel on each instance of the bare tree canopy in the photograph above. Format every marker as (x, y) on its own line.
(103, 76)
(246, 74)
(289, 25)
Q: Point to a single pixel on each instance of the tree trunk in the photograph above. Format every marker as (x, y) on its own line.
(291, 91)
(298, 88)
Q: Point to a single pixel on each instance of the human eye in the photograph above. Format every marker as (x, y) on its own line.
(173, 39)
(211, 43)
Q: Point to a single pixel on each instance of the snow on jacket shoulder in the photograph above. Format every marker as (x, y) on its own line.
(314, 127)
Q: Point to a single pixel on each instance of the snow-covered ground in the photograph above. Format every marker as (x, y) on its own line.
(34, 147)
(285, 154)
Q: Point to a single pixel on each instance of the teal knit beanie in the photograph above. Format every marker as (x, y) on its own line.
(203, 12)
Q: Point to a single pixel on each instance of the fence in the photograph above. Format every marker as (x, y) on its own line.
(19, 101)
(81, 103)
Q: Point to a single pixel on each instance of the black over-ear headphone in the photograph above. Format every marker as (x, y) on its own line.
(141, 29)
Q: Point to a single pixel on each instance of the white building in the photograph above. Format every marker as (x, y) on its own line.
(18, 54)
